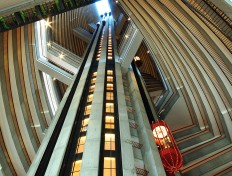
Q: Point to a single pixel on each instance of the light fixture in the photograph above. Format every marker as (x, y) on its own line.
(160, 132)
(168, 149)
(61, 55)
(126, 36)
(49, 44)
(129, 19)
(47, 23)
(138, 61)
(116, 1)
(148, 51)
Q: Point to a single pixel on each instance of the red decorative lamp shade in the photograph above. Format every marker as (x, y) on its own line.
(169, 152)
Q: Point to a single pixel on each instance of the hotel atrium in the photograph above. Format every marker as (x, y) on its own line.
(83, 83)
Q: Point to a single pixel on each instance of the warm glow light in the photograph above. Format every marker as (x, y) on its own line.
(136, 58)
(126, 36)
(61, 56)
(47, 23)
(160, 131)
(49, 44)
(129, 19)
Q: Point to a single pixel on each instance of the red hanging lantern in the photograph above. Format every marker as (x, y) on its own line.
(169, 152)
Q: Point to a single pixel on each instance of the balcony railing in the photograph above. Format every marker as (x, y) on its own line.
(214, 18)
(140, 171)
(39, 12)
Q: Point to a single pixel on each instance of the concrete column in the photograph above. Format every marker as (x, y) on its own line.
(128, 164)
(150, 153)
(91, 154)
(121, 21)
(128, 53)
(56, 159)
(62, 142)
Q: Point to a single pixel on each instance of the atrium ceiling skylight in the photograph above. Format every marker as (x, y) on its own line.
(103, 7)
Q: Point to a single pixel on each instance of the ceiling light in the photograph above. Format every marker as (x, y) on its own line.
(49, 44)
(61, 56)
(126, 36)
(47, 23)
(129, 19)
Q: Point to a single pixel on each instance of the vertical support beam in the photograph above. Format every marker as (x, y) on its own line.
(149, 150)
(90, 159)
(57, 157)
(50, 155)
(126, 148)
(128, 53)
(121, 21)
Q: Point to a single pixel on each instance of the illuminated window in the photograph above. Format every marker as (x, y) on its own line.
(91, 88)
(93, 80)
(81, 144)
(110, 57)
(109, 141)
(84, 126)
(109, 86)
(109, 96)
(90, 98)
(87, 110)
(109, 78)
(109, 72)
(94, 73)
(76, 168)
(109, 122)
(109, 166)
(109, 107)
